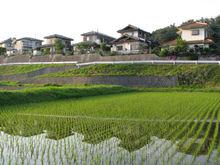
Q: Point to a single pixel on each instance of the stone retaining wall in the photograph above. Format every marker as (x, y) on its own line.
(134, 81)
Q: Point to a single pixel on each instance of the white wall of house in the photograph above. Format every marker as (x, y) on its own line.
(135, 33)
(126, 46)
(192, 46)
(92, 38)
(188, 36)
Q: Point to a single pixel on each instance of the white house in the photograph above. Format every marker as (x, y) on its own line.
(195, 34)
(131, 40)
(26, 45)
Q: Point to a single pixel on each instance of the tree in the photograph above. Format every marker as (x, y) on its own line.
(181, 45)
(2, 51)
(85, 47)
(215, 28)
(59, 47)
(165, 34)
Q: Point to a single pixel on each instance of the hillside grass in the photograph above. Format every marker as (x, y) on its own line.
(21, 69)
(187, 74)
(129, 70)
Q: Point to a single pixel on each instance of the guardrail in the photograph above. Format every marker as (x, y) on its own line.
(174, 62)
(38, 63)
(150, 62)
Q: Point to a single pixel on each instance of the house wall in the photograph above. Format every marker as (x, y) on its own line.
(53, 40)
(134, 33)
(92, 38)
(127, 46)
(187, 35)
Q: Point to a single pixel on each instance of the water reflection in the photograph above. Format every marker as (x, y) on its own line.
(43, 140)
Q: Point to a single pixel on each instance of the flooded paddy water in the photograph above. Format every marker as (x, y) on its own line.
(48, 140)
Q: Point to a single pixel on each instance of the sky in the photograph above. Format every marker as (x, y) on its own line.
(39, 18)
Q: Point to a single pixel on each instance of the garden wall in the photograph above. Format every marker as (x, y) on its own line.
(133, 81)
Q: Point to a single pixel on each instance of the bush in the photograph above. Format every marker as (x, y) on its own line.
(2, 51)
(164, 52)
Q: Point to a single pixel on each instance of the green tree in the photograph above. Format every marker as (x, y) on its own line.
(181, 45)
(84, 47)
(2, 51)
(59, 47)
(165, 34)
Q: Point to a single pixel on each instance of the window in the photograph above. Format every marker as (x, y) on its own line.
(195, 32)
(119, 48)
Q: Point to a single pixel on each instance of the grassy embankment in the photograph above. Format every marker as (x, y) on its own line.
(20, 69)
(187, 74)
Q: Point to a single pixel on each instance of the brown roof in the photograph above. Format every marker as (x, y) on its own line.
(131, 28)
(206, 41)
(127, 38)
(170, 43)
(193, 25)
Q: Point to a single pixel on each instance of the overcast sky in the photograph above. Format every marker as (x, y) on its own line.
(38, 18)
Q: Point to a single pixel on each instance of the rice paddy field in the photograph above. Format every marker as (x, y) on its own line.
(166, 128)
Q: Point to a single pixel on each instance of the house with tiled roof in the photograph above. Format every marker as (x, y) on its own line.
(97, 37)
(51, 40)
(195, 34)
(8, 44)
(132, 40)
(26, 45)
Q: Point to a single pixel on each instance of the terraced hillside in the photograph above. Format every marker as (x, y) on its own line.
(185, 74)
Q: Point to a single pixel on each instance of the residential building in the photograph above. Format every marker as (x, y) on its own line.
(132, 40)
(9, 46)
(195, 34)
(26, 45)
(97, 37)
(51, 40)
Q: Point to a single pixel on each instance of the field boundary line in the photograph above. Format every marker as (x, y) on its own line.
(109, 118)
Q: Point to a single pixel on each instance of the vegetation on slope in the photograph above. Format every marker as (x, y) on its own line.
(19, 69)
(129, 70)
(187, 74)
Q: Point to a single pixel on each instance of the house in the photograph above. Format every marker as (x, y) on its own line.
(97, 37)
(26, 45)
(51, 40)
(132, 40)
(9, 46)
(195, 34)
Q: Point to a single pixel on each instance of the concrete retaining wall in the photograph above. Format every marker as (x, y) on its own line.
(91, 58)
(134, 81)
(79, 58)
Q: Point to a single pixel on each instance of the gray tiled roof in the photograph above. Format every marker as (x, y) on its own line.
(58, 36)
(29, 38)
(96, 33)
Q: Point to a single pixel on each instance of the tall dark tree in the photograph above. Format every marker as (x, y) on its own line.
(165, 34)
